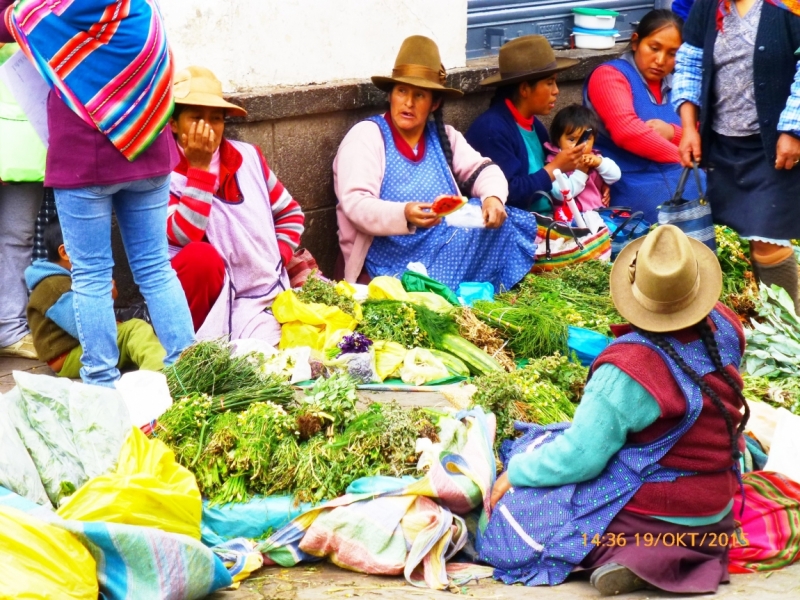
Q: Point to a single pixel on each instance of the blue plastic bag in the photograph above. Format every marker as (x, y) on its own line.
(379, 484)
(586, 344)
(251, 520)
(470, 292)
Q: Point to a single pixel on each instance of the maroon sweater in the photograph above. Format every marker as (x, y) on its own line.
(705, 448)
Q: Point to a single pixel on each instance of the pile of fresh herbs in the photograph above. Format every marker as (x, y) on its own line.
(319, 291)
(780, 393)
(312, 448)
(541, 392)
(410, 325)
(739, 286)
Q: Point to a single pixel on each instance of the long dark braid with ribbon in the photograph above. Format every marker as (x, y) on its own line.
(710, 344)
(465, 187)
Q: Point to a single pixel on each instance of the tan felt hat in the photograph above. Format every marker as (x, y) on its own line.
(198, 86)
(526, 58)
(418, 63)
(665, 281)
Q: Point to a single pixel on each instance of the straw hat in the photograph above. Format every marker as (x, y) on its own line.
(418, 63)
(527, 58)
(198, 86)
(665, 281)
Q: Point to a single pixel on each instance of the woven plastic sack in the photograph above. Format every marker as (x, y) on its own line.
(43, 561)
(149, 488)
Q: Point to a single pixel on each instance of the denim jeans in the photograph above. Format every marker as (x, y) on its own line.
(19, 204)
(141, 210)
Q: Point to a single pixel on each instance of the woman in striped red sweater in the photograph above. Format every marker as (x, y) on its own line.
(641, 131)
(232, 226)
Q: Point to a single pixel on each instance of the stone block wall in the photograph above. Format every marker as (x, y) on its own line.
(299, 130)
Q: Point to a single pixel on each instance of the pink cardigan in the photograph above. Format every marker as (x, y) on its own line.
(357, 176)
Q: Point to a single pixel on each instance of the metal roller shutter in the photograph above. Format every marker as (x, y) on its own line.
(490, 23)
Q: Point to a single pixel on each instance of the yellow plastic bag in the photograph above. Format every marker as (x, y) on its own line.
(387, 288)
(389, 357)
(292, 313)
(43, 561)
(148, 489)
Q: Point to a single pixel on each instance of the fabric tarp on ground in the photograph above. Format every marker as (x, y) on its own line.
(414, 530)
(137, 562)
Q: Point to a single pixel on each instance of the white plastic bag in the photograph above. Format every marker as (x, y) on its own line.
(71, 431)
(421, 366)
(785, 449)
(468, 217)
(17, 471)
(146, 395)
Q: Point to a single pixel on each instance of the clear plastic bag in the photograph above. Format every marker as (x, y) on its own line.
(468, 217)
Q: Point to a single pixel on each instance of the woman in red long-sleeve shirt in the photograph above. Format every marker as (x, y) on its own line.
(641, 131)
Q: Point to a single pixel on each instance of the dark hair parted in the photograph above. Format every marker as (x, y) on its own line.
(570, 119)
(656, 20)
(53, 238)
(710, 343)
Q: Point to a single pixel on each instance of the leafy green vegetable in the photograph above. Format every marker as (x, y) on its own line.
(522, 395)
(739, 287)
(531, 330)
(773, 346)
(316, 290)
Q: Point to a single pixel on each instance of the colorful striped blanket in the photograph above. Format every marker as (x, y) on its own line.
(767, 535)
(414, 530)
(107, 59)
(138, 562)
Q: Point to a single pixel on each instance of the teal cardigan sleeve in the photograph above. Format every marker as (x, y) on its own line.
(613, 406)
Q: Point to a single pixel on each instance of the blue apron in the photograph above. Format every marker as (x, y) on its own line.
(537, 536)
(451, 255)
(645, 184)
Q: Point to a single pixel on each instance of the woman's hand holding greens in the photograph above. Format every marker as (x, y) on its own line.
(418, 214)
(198, 145)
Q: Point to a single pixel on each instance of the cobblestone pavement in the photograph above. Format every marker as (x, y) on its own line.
(330, 583)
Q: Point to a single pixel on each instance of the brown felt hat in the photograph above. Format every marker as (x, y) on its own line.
(527, 58)
(665, 281)
(198, 86)
(418, 63)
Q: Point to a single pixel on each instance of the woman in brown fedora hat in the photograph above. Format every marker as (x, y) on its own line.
(509, 132)
(232, 225)
(389, 170)
(640, 486)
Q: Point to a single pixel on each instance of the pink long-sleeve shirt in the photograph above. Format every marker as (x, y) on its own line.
(358, 171)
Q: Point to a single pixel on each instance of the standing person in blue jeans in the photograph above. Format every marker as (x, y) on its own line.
(110, 100)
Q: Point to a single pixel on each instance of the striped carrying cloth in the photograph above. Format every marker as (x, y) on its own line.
(108, 60)
(412, 531)
(767, 535)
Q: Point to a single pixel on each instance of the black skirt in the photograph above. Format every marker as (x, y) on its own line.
(747, 193)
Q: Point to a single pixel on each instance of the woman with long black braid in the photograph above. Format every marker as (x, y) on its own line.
(391, 168)
(640, 486)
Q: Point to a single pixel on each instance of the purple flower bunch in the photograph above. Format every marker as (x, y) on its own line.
(355, 344)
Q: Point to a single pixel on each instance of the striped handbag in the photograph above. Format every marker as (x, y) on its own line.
(693, 217)
(559, 245)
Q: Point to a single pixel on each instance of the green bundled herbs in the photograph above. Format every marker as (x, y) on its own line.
(780, 393)
(408, 324)
(208, 368)
(316, 290)
(329, 403)
(773, 345)
(580, 298)
(568, 376)
(739, 287)
(531, 331)
(522, 395)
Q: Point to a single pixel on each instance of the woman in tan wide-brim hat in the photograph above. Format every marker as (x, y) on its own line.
(653, 446)
(509, 132)
(232, 226)
(391, 168)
